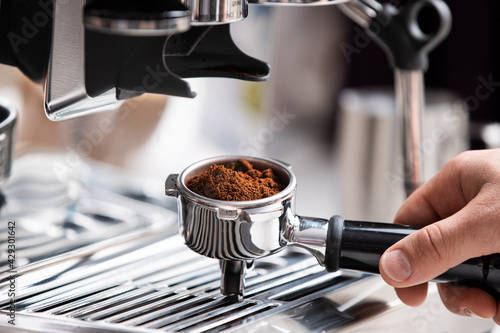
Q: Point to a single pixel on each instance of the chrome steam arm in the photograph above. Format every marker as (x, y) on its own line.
(407, 36)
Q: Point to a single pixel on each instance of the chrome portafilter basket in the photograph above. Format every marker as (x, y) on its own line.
(233, 230)
(238, 232)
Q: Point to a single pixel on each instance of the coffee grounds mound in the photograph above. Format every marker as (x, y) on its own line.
(235, 181)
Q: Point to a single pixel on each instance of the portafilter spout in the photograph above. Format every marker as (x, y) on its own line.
(242, 231)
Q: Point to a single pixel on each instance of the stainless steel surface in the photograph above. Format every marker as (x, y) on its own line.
(56, 214)
(65, 95)
(308, 233)
(209, 12)
(168, 25)
(410, 105)
(156, 284)
(233, 277)
(8, 116)
(375, 5)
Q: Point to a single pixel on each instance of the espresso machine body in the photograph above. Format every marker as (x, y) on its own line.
(94, 256)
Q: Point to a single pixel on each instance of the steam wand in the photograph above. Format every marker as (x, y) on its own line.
(407, 36)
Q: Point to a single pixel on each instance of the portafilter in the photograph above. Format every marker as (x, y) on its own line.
(238, 232)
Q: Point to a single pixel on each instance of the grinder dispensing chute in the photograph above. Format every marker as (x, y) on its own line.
(238, 232)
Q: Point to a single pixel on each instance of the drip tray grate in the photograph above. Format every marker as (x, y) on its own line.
(155, 283)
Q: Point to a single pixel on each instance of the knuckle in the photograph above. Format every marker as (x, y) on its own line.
(487, 205)
(463, 162)
(459, 165)
(432, 244)
(484, 226)
(478, 162)
(462, 159)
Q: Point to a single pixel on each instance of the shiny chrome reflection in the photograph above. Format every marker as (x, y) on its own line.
(8, 117)
(209, 12)
(245, 230)
(309, 233)
(131, 27)
(297, 2)
(233, 230)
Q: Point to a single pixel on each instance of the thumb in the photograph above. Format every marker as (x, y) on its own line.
(432, 250)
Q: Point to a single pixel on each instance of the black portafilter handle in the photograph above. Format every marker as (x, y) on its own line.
(359, 245)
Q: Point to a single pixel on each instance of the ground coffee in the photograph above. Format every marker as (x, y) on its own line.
(235, 181)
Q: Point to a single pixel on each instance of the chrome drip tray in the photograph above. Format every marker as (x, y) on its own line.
(155, 283)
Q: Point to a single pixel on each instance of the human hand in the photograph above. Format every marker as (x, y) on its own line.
(459, 210)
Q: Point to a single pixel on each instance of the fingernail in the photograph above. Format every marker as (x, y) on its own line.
(396, 265)
(468, 312)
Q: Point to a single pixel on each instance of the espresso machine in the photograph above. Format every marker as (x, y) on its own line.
(112, 261)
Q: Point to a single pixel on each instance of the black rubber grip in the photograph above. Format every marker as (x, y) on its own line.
(334, 237)
(359, 245)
